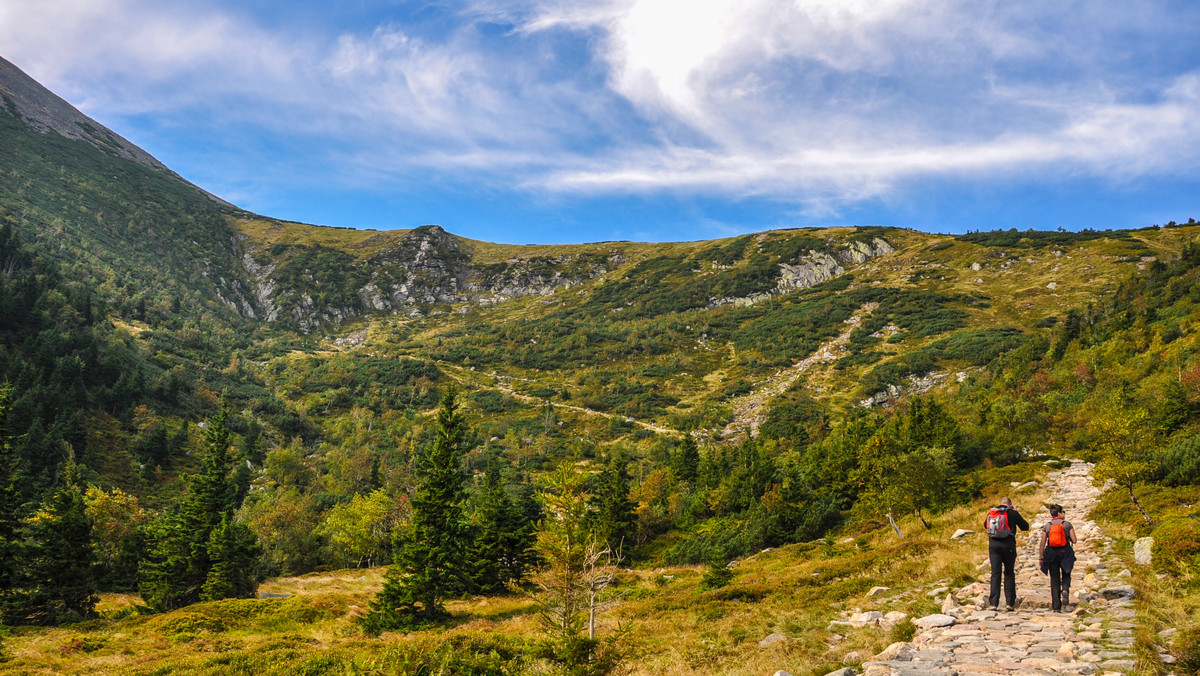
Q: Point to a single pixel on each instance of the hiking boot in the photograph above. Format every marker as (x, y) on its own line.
(1008, 608)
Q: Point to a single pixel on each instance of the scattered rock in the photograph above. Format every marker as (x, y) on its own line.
(875, 591)
(844, 671)
(937, 620)
(852, 658)
(896, 652)
(772, 639)
(869, 617)
(1143, 551)
(961, 533)
(895, 616)
(949, 604)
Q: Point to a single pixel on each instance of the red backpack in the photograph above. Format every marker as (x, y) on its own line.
(1057, 537)
(997, 523)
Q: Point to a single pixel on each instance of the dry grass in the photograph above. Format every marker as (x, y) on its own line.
(676, 629)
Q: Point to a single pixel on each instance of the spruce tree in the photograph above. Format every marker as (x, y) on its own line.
(57, 579)
(613, 518)
(434, 559)
(504, 536)
(178, 565)
(10, 497)
(685, 463)
(233, 555)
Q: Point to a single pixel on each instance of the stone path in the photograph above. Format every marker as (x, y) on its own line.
(1094, 635)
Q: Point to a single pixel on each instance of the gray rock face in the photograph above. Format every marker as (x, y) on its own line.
(426, 266)
(1143, 551)
(813, 269)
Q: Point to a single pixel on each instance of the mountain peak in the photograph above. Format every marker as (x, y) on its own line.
(46, 111)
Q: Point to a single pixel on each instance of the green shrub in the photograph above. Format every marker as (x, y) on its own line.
(1177, 544)
(1186, 649)
(903, 631)
(718, 575)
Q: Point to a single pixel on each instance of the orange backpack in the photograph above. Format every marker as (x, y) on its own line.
(1058, 534)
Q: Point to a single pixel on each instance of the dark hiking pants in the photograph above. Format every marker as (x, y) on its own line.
(1003, 554)
(1059, 565)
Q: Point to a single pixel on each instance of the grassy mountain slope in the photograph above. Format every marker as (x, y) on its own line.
(131, 300)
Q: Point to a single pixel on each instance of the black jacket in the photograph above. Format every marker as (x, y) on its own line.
(1016, 521)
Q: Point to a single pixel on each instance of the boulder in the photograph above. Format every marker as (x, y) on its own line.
(875, 591)
(1118, 592)
(869, 617)
(896, 652)
(949, 604)
(781, 672)
(771, 640)
(961, 533)
(937, 620)
(1143, 551)
(895, 616)
(844, 671)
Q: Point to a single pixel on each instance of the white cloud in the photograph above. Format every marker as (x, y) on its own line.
(821, 102)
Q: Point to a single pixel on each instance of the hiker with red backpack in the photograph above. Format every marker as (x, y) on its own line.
(1057, 556)
(1001, 524)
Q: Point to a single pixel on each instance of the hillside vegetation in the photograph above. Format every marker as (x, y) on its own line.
(213, 398)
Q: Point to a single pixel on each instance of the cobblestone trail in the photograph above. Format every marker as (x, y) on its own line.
(1093, 638)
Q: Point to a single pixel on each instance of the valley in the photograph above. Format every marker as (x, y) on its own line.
(764, 427)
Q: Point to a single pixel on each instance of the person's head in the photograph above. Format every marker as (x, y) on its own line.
(1056, 511)
(1007, 502)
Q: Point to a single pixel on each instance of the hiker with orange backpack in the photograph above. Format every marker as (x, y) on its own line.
(1001, 525)
(1057, 556)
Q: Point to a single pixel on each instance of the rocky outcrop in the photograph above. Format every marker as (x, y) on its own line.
(425, 267)
(815, 268)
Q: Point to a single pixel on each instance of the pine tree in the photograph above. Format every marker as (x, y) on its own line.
(434, 559)
(10, 496)
(178, 566)
(613, 519)
(685, 463)
(234, 555)
(57, 579)
(504, 537)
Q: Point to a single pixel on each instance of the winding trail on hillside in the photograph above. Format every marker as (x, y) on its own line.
(1033, 641)
(501, 383)
(748, 410)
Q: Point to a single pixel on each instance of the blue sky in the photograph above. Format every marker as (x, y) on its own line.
(558, 121)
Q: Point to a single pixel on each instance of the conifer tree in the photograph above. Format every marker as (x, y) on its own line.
(179, 563)
(233, 555)
(504, 536)
(10, 496)
(685, 464)
(434, 559)
(57, 580)
(613, 519)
